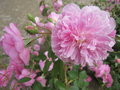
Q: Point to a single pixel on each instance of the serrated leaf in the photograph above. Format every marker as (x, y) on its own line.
(60, 85)
(83, 75)
(25, 79)
(74, 88)
(73, 74)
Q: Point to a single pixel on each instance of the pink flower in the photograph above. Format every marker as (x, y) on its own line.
(103, 71)
(49, 26)
(41, 40)
(57, 4)
(51, 66)
(38, 23)
(5, 76)
(36, 53)
(41, 8)
(47, 57)
(81, 36)
(108, 80)
(15, 85)
(54, 17)
(42, 64)
(88, 79)
(27, 73)
(41, 80)
(36, 47)
(13, 44)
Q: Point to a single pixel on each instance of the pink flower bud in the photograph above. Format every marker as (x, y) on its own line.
(51, 67)
(41, 80)
(36, 47)
(29, 27)
(35, 53)
(41, 8)
(41, 40)
(49, 26)
(117, 60)
(88, 79)
(57, 4)
(54, 17)
(41, 64)
(38, 23)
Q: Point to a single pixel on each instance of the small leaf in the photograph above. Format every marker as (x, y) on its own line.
(44, 12)
(41, 3)
(37, 86)
(25, 79)
(50, 20)
(32, 32)
(31, 17)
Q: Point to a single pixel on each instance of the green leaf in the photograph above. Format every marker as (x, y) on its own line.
(83, 75)
(25, 79)
(44, 12)
(60, 85)
(118, 20)
(41, 3)
(29, 41)
(74, 88)
(58, 65)
(47, 65)
(50, 20)
(32, 32)
(31, 17)
(37, 86)
(80, 82)
(73, 74)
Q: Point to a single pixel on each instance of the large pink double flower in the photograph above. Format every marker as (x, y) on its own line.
(83, 36)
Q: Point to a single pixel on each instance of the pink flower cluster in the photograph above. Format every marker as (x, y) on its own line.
(83, 36)
(103, 71)
(13, 46)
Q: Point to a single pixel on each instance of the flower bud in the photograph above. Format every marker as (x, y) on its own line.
(117, 60)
